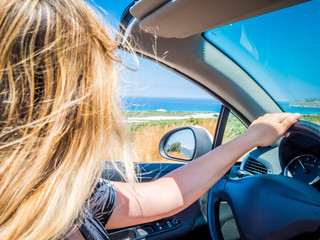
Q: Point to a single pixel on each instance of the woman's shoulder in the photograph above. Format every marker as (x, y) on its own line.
(97, 211)
(103, 200)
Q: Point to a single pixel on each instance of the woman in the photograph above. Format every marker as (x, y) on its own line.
(60, 121)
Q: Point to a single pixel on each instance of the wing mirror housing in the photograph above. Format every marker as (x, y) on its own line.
(185, 143)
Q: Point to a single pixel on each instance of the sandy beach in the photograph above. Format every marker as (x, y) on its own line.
(157, 118)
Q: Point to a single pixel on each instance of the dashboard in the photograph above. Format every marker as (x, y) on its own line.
(278, 182)
(304, 167)
(297, 156)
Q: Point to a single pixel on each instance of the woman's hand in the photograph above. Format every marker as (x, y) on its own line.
(269, 128)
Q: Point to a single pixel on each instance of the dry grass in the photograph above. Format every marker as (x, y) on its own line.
(146, 139)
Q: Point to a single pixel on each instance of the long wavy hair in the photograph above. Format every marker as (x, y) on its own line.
(60, 117)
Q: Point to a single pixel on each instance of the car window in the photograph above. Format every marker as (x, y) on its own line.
(280, 50)
(234, 128)
(157, 100)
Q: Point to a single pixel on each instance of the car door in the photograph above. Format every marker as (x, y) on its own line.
(232, 86)
(153, 107)
(155, 104)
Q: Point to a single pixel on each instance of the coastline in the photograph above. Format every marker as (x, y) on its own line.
(172, 117)
(304, 106)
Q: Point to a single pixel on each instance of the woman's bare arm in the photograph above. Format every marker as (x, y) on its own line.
(145, 202)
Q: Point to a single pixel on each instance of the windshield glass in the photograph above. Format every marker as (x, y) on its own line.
(281, 51)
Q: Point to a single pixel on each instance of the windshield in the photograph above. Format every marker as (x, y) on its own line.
(281, 51)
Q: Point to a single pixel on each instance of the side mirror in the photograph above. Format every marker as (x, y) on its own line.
(185, 143)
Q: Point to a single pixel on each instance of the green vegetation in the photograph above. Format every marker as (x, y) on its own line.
(234, 128)
(315, 118)
(175, 147)
(166, 113)
(136, 126)
(194, 121)
(146, 135)
(162, 123)
(166, 123)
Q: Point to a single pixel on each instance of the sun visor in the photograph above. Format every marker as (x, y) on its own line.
(184, 18)
(143, 8)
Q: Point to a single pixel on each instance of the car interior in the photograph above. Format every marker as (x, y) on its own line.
(258, 198)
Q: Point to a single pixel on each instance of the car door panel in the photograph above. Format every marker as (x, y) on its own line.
(186, 221)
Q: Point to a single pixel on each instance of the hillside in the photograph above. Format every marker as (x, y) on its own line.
(307, 102)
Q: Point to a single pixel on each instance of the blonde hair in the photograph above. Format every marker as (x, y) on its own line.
(60, 118)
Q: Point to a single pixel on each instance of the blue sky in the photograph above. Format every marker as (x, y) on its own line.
(280, 50)
(150, 80)
(114, 8)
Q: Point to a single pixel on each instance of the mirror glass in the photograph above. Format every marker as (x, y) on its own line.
(181, 145)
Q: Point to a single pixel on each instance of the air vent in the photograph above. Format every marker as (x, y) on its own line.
(253, 166)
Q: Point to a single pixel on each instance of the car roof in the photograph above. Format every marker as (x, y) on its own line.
(184, 18)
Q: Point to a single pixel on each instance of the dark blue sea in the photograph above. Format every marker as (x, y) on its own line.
(192, 105)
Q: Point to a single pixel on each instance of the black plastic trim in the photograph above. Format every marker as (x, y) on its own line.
(126, 17)
(202, 142)
(221, 126)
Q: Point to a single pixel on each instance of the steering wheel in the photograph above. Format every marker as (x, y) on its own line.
(268, 206)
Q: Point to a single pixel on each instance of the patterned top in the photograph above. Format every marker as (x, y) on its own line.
(98, 211)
